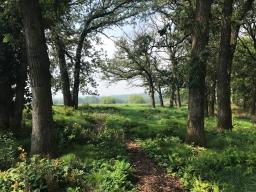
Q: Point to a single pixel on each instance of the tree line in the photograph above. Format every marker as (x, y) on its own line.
(205, 46)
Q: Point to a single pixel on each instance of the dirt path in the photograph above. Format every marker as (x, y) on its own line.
(151, 178)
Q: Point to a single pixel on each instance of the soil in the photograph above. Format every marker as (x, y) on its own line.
(150, 177)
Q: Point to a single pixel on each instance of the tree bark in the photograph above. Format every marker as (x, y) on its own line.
(78, 68)
(223, 70)
(42, 121)
(152, 93)
(161, 97)
(65, 81)
(16, 117)
(173, 99)
(212, 99)
(178, 97)
(253, 104)
(244, 104)
(171, 104)
(200, 36)
(206, 111)
(5, 87)
(5, 104)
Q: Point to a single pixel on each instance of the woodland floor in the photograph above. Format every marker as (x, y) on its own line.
(151, 178)
(128, 148)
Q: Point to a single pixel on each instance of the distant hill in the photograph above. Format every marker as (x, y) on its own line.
(119, 99)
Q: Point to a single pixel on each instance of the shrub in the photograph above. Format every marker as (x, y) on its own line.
(42, 175)
(8, 150)
(111, 176)
(136, 99)
(107, 100)
(69, 174)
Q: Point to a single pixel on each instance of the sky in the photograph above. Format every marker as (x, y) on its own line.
(118, 88)
(122, 87)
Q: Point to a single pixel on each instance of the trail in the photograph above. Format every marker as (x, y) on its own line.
(151, 178)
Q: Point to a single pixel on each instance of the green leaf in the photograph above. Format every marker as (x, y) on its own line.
(7, 38)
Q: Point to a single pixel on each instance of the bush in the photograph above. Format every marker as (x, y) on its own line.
(136, 99)
(107, 100)
(111, 176)
(43, 175)
(8, 151)
(70, 175)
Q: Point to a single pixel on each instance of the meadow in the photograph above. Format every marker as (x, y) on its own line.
(93, 156)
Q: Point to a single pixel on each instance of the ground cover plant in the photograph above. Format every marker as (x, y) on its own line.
(92, 154)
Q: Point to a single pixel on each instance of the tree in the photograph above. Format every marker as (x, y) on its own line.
(5, 83)
(42, 121)
(243, 81)
(61, 19)
(13, 67)
(175, 42)
(136, 99)
(195, 129)
(107, 100)
(133, 60)
(224, 64)
(229, 34)
(99, 16)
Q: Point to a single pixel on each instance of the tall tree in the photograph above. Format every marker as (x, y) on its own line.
(5, 83)
(12, 67)
(59, 9)
(134, 59)
(195, 129)
(20, 91)
(99, 16)
(42, 121)
(230, 28)
(65, 80)
(224, 64)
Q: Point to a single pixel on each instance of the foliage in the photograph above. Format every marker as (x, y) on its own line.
(42, 175)
(93, 149)
(38, 174)
(244, 79)
(8, 151)
(136, 99)
(107, 100)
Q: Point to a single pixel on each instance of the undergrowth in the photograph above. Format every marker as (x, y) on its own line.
(92, 155)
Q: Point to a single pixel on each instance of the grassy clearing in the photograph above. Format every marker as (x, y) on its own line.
(93, 156)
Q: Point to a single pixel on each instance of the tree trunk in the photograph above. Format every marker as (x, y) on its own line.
(65, 81)
(161, 97)
(16, 117)
(42, 121)
(78, 69)
(206, 111)
(223, 70)
(152, 94)
(244, 104)
(5, 104)
(200, 36)
(253, 103)
(172, 98)
(5, 87)
(178, 97)
(212, 99)
(171, 104)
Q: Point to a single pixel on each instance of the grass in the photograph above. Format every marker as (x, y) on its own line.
(94, 136)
